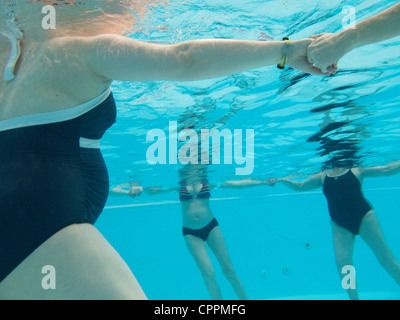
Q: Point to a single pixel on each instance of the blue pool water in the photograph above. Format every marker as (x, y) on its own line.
(280, 241)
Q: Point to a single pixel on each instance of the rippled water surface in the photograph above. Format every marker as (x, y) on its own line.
(299, 121)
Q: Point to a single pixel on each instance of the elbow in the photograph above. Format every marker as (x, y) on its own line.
(194, 61)
(300, 187)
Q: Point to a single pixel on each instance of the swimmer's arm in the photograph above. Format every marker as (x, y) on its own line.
(241, 184)
(314, 182)
(329, 48)
(121, 58)
(153, 191)
(119, 192)
(130, 191)
(138, 190)
(382, 26)
(380, 171)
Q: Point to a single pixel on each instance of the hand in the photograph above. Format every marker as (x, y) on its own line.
(271, 182)
(298, 58)
(326, 50)
(135, 191)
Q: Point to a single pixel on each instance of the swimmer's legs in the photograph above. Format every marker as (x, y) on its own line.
(343, 243)
(217, 244)
(198, 249)
(371, 232)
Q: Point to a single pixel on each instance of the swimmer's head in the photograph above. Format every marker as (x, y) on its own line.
(192, 174)
(340, 162)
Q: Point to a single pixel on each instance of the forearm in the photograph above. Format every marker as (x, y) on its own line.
(125, 59)
(382, 26)
(382, 171)
(392, 170)
(216, 58)
(247, 183)
(294, 185)
(119, 192)
(152, 191)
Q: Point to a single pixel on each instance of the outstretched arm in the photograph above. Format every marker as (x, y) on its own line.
(126, 190)
(314, 182)
(380, 171)
(135, 191)
(153, 191)
(241, 184)
(116, 57)
(329, 48)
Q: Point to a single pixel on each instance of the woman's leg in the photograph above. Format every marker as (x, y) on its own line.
(217, 244)
(197, 248)
(343, 243)
(371, 233)
(84, 266)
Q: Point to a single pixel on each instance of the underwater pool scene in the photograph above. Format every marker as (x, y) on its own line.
(279, 240)
(268, 184)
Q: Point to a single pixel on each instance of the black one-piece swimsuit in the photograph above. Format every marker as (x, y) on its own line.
(50, 179)
(346, 202)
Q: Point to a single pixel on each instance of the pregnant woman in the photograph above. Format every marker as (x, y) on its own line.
(55, 105)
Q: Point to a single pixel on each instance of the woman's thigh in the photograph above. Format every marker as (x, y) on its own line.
(371, 232)
(217, 243)
(83, 265)
(343, 244)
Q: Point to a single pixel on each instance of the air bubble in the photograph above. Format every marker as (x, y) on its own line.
(286, 271)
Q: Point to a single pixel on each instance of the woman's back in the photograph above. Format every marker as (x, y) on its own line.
(51, 76)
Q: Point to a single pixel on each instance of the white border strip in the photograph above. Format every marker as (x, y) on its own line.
(89, 143)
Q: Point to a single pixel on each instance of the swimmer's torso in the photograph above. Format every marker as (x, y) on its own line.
(196, 211)
(51, 76)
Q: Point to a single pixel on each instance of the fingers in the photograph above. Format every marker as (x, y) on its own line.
(318, 72)
(305, 66)
(304, 58)
(311, 61)
(309, 55)
(333, 68)
(316, 36)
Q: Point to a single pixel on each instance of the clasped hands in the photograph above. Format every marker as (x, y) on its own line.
(319, 54)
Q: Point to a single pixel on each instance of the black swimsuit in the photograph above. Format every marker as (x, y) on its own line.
(52, 175)
(346, 202)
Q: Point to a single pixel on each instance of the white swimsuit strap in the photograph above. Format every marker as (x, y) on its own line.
(89, 143)
(54, 116)
(15, 54)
